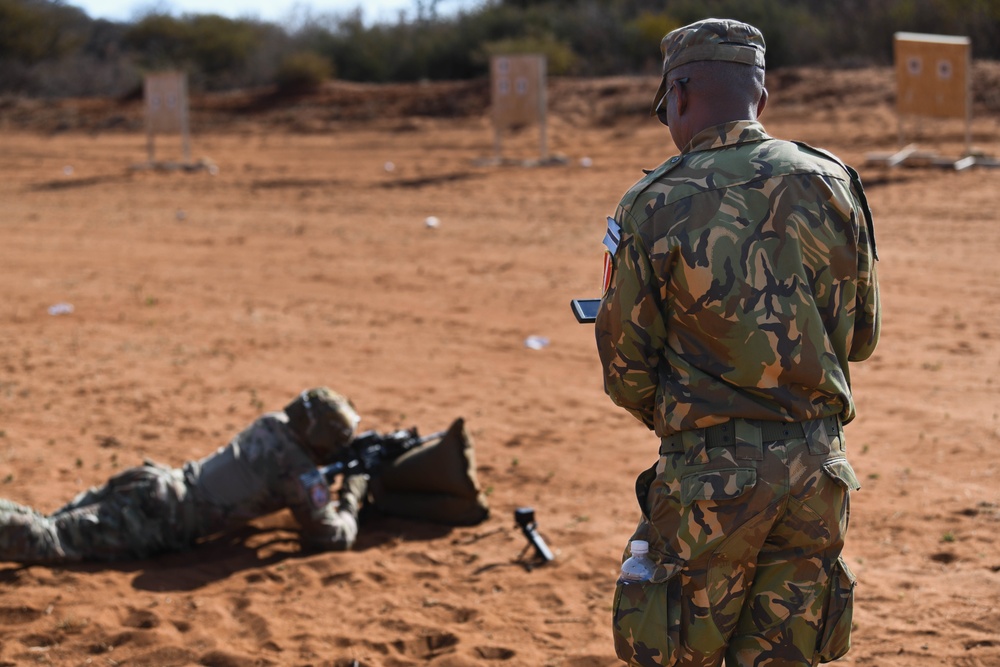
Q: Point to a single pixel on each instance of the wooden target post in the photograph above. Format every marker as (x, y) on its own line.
(518, 96)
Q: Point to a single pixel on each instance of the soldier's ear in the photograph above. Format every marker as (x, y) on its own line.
(762, 103)
(682, 99)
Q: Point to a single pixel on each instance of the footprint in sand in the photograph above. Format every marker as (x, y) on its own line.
(18, 615)
(494, 653)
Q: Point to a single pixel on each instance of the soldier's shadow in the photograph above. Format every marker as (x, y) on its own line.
(254, 548)
(258, 547)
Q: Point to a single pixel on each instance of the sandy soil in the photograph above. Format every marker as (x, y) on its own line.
(200, 300)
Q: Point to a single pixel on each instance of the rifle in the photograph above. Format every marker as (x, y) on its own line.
(371, 450)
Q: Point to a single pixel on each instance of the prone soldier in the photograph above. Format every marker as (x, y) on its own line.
(271, 465)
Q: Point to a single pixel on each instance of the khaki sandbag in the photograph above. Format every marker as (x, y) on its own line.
(434, 482)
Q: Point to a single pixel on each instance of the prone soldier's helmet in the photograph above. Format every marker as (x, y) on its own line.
(325, 422)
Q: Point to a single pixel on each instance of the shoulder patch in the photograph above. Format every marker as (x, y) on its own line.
(315, 489)
(613, 236)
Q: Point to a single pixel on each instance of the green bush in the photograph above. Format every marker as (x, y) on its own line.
(51, 48)
(304, 71)
(560, 58)
(649, 28)
(218, 45)
(161, 40)
(217, 52)
(32, 31)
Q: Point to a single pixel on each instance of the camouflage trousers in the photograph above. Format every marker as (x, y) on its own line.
(138, 513)
(746, 527)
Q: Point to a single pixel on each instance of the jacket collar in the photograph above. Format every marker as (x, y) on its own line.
(732, 133)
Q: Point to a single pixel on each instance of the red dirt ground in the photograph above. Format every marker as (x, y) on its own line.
(201, 300)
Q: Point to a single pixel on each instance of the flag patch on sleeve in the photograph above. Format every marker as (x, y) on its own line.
(611, 240)
(613, 236)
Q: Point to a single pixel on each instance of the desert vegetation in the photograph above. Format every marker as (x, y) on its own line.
(49, 48)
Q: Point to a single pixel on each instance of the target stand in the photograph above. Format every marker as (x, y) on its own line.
(933, 75)
(166, 100)
(518, 99)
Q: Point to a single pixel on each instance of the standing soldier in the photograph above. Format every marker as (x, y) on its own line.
(153, 509)
(740, 283)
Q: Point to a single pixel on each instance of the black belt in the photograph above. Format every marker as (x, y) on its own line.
(724, 435)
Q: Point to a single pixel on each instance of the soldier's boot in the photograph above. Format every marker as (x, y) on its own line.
(27, 536)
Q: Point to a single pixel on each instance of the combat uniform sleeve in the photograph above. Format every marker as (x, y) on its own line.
(630, 329)
(868, 313)
(327, 524)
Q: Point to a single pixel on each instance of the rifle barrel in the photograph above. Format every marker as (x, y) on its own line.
(331, 470)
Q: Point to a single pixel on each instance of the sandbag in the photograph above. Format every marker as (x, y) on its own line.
(434, 482)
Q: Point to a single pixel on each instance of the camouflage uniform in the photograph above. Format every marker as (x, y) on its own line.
(742, 283)
(153, 509)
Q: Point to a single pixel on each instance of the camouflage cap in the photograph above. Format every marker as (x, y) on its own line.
(710, 39)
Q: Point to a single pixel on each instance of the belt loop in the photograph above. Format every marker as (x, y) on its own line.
(671, 444)
(835, 429)
(818, 436)
(695, 446)
(749, 441)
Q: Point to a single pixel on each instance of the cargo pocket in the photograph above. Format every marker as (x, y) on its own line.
(835, 639)
(646, 620)
(840, 470)
(642, 485)
(723, 484)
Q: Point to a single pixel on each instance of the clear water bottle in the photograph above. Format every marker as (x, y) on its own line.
(638, 567)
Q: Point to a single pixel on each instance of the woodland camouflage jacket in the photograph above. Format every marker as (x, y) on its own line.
(743, 283)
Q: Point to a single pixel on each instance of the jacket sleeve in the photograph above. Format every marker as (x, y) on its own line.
(868, 312)
(630, 329)
(332, 526)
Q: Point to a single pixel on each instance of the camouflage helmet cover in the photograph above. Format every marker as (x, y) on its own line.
(324, 420)
(711, 39)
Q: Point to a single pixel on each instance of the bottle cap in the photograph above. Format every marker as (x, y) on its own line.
(639, 547)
